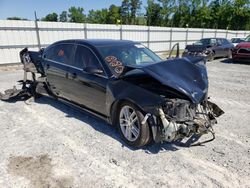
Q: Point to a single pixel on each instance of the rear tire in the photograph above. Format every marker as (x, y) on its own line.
(133, 132)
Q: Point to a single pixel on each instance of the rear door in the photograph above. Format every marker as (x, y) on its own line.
(227, 46)
(87, 89)
(55, 62)
(218, 48)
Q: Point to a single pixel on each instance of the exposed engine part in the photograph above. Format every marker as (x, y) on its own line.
(170, 129)
(181, 118)
(180, 110)
(145, 118)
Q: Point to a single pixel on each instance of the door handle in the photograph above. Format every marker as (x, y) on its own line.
(47, 66)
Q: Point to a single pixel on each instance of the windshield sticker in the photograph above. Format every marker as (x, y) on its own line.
(115, 64)
(119, 69)
(110, 58)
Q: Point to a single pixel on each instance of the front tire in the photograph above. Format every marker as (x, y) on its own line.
(229, 56)
(211, 56)
(129, 119)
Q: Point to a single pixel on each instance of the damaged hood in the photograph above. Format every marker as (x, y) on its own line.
(186, 75)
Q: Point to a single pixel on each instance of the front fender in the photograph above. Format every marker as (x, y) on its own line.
(120, 90)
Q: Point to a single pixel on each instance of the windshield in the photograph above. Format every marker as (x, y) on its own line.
(129, 54)
(236, 40)
(206, 42)
(247, 39)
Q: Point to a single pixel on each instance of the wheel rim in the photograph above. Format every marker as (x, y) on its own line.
(129, 123)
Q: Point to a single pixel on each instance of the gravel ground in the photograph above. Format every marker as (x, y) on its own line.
(48, 144)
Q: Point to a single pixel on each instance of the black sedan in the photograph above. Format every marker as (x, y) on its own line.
(127, 84)
(210, 48)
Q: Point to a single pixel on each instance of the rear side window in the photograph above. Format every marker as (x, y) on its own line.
(85, 58)
(225, 41)
(60, 53)
(213, 41)
(219, 42)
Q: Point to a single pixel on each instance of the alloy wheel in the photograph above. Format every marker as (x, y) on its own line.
(129, 123)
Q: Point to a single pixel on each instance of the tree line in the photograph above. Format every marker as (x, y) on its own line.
(217, 14)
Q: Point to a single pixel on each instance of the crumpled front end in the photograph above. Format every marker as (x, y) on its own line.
(178, 118)
(198, 50)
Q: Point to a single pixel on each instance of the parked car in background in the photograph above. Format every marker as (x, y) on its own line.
(127, 84)
(210, 48)
(236, 41)
(242, 51)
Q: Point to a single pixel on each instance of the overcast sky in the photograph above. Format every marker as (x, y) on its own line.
(26, 8)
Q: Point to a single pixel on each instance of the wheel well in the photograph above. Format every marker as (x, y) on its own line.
(113, 112)
(116, 104)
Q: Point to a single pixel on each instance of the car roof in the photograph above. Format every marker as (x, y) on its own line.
(107, 42)
(100, 42)
(213, 38)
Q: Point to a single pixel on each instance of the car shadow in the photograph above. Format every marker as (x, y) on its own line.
(105, 128)
(230, 61)
(227, 61)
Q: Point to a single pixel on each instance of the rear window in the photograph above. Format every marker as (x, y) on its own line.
(60, 53)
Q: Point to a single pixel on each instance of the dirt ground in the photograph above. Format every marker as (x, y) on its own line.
(49, 144)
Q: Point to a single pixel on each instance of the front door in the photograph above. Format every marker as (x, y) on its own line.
(88, 88)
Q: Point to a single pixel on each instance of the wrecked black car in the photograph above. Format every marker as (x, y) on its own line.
(124, 82)
(210, 48)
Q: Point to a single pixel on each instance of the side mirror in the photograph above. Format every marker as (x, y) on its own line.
(92, 70)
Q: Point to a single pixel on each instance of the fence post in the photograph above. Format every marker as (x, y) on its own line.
(85, 31)
(37, 33)
(121, 32)
(202, 33)
(148, 39)
(170, 40)
(215, 34)
(186, 40)
(236, 33)
(226, 33)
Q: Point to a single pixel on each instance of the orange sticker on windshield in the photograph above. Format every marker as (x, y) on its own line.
(119, 69)
(115, 63)
(110, 58)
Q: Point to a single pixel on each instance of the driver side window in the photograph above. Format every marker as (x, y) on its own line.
(85, 59)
